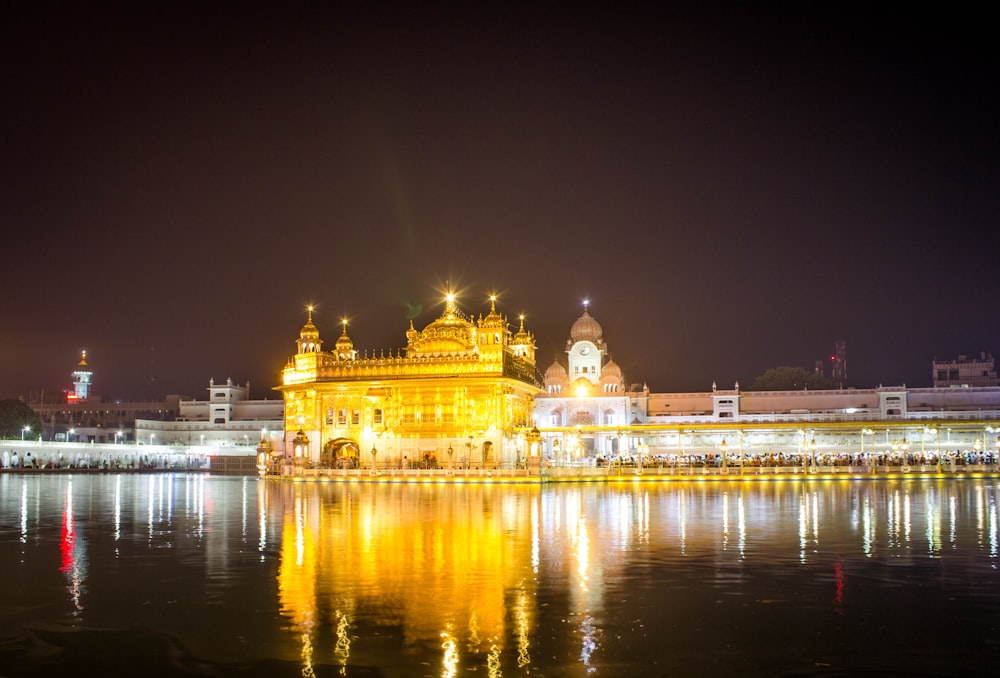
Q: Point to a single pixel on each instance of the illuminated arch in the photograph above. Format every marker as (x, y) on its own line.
(340, 453)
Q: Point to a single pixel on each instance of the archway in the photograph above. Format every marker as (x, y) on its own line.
(340, 453)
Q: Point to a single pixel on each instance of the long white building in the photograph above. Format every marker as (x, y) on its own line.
(587, 414)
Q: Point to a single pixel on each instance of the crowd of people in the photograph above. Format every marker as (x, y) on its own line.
(949, 458)
(105, 461)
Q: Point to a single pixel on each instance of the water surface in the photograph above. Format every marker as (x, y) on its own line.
(190, 574)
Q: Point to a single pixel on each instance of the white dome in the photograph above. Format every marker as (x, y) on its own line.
(611, 370)
(556, 371)
(586, 329)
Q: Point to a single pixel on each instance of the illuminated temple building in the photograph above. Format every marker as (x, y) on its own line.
(465, 393)
(459, 393)
(589, 392)
(589, 411)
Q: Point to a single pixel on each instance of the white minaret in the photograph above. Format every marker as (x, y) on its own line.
(81, 379)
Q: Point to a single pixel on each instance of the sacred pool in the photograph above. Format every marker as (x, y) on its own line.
(176, 574)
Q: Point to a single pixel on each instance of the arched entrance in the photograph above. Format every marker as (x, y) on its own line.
(340, 453)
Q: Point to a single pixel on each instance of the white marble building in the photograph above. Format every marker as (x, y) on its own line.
(588, 413)
(228, 421)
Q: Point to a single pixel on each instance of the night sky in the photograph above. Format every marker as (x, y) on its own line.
(732, 190)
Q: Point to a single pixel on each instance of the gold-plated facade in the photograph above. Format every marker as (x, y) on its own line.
(459, 394)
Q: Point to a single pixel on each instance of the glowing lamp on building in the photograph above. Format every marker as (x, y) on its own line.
(300, 447)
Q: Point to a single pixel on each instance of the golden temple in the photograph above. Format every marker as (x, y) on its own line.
(459, 394)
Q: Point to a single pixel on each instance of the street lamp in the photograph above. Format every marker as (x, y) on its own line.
(151, 437)
(69, 434)
(450, 452)
(23, 431)
(118, 435)
(374, 452)
(723, 446)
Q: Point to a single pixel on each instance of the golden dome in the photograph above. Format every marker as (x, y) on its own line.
(451, 333)
(522, 337)
(493, 319)
(344, 343)
(309, 330)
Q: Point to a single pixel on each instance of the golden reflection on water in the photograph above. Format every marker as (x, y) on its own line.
(515, 579)
(455, 567)
(434, 562)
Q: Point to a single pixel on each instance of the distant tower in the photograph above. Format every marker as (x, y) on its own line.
(81, 380)
(838, 368)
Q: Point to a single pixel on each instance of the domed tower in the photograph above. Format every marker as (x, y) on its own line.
(556, 379)
(590, 393)
(492, 333)
(585, 348)
(309, 341)
(523, 342)
(81, 379)
(345, 347)
(612, 380)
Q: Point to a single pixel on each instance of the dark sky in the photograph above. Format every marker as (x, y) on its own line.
(732, 189)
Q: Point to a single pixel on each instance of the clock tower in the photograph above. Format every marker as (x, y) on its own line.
(585, 403)
(585, 349)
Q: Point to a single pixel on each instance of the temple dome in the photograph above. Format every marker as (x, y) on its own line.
(344, 343)
(586, 329)
(451, 333)
(611, 369)
(309, 330)
(309, 340)
(556, 371)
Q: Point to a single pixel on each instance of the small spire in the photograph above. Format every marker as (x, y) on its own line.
(493, 303)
